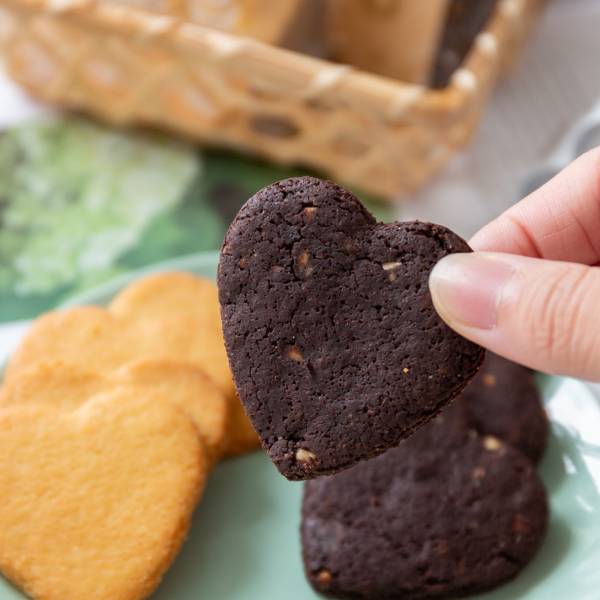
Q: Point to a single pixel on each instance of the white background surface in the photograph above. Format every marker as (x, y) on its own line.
(556, 82)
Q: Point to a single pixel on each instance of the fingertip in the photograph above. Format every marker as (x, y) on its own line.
(466, 289)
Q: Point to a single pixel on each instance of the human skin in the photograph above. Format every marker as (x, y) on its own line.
(531, 289)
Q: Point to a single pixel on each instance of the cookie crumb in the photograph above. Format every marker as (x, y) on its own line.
(489, 379)
(294, 353)
(305, 456)
(323, 577)
(491, 443)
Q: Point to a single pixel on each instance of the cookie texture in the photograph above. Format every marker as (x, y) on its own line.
(504, 401)
(98, 497)
(446, 514)
(336, 349)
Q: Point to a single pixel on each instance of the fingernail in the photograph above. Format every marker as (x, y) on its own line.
(467, 288)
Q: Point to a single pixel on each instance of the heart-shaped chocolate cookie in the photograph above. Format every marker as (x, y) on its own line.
(445, 515)
(336, 349)
(504, 401)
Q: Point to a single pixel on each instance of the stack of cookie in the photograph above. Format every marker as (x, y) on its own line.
(457, 509)
(339, 355)
(110, 421)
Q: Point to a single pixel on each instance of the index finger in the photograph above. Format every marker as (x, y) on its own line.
(559, 221)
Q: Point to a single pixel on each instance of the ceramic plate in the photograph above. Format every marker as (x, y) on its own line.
(244, 543)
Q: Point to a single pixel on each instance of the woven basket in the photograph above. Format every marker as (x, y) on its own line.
(128, 66)
(233, 16)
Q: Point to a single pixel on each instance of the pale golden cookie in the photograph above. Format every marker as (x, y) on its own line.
(162, 293)
(86, 336)
(185, 386)
(51, 383)
(179, 344)
(97, 499)
(169, 316)
(184, 302)
(193, 391)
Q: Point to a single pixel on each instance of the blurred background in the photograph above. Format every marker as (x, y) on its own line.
(118, 150)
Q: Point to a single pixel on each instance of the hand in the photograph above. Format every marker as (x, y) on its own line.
(531, 290)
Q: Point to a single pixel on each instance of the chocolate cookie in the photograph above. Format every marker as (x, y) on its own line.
(336, 349)
(503, 400)
(448, 513)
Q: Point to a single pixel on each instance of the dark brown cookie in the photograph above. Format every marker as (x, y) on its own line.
(465, 19)
(448, 513)
(503, 400)
(336, 349)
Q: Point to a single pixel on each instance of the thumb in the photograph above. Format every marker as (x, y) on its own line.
(540, 313)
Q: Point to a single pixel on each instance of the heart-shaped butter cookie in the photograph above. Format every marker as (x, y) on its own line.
(194, 301)
(445, 515)
(97, 499)
(165, 317)
(53, 383)
(336, 349)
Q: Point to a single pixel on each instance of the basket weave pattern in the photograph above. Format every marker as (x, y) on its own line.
(127, 66)
(234, 16)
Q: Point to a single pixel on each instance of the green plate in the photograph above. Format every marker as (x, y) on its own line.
(244, 543)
